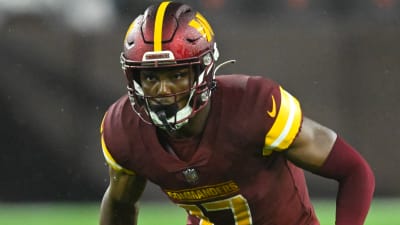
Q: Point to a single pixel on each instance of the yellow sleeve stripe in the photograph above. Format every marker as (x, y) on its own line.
(286, 125)
(110, 160)
(158, 25)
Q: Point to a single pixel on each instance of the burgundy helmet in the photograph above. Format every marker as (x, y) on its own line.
(170, 35)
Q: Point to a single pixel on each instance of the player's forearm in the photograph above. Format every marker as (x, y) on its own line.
(354, 198)
(113, 212)
(356, 183)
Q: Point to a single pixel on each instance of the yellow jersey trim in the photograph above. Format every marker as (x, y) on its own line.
(107, 155)
(203, 193)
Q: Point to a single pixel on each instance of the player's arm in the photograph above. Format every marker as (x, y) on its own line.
(119, 202)
(319, 150)
(312, 145)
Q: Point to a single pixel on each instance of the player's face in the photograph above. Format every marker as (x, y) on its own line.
(167, 86)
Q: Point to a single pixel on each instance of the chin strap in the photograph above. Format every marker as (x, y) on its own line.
(163, 112)
(163, 117)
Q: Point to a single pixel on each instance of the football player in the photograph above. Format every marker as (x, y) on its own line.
(228, 149)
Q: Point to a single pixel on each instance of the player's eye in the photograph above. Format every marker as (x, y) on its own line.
(148, 77)
(180, 75)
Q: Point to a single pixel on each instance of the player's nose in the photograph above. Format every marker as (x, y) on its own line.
(164, 92)
(164, 87)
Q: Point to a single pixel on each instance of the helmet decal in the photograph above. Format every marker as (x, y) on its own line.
(202, 26)
(127, 45)
(158, 26)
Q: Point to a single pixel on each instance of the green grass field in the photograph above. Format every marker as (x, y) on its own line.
(383, 212)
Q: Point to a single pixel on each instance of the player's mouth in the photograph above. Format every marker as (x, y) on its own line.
(179, 100)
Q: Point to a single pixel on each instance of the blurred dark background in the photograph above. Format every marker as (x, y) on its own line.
(60, 71)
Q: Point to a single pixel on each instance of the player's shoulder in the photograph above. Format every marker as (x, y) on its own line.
(119, 122)
(232, 81)
(247, 90)
(118, 127)
(119, 113)
(118, 107)
(246, 82)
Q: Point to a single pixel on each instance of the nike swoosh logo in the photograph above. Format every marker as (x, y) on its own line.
(272, 113)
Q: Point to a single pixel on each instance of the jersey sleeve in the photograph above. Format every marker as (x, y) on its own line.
(107, 153)
(286, 115)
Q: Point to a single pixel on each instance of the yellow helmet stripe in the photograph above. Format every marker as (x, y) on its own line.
(159, 25)
(286, 126)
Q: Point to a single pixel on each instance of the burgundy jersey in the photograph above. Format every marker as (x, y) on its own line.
(237, 174)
